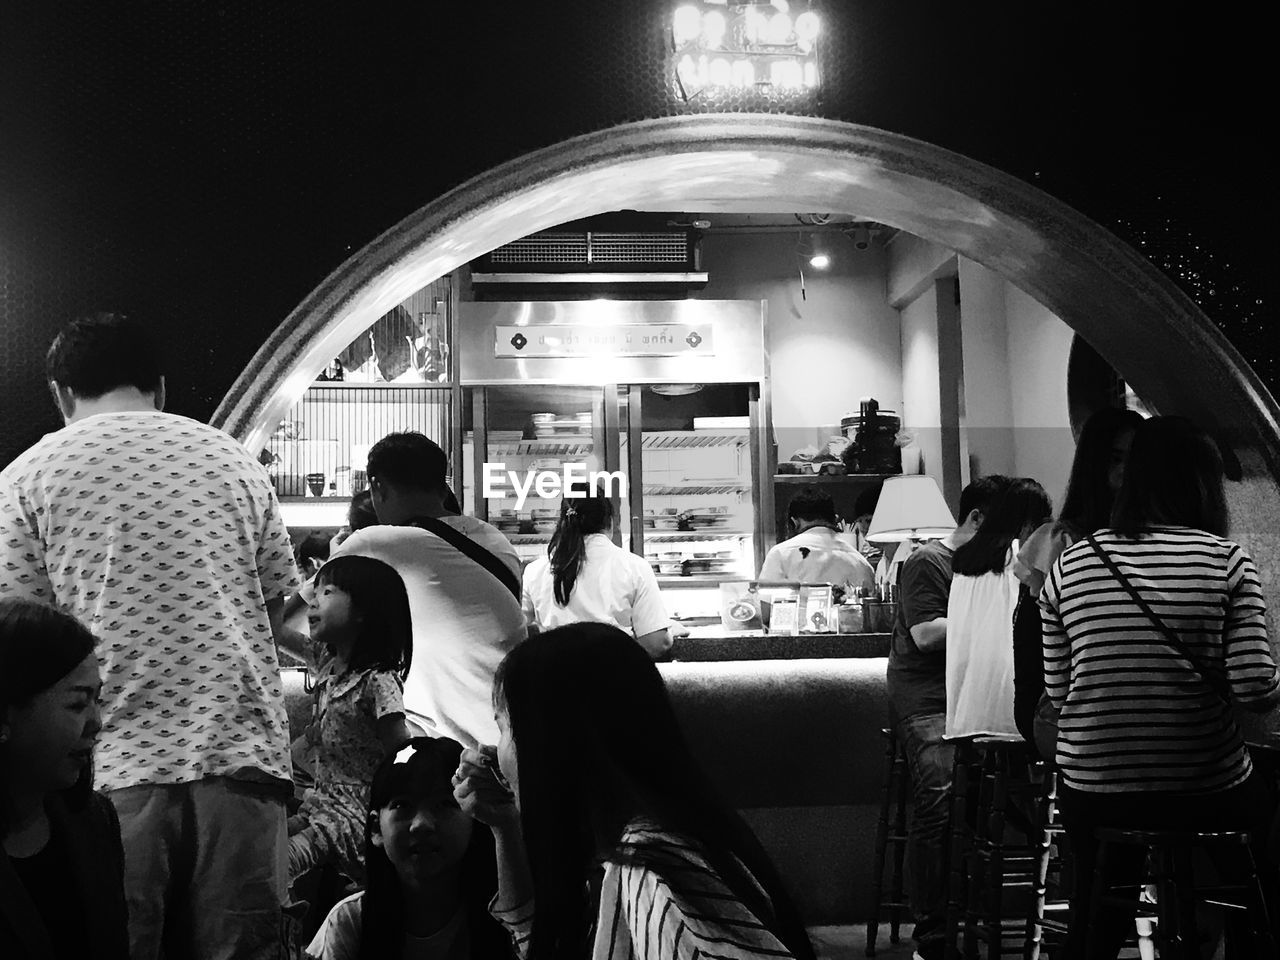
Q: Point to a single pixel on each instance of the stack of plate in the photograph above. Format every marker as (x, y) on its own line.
(507, 521)
(543, 520)
(710, 562)
(667, 519)
(706, 519)
(548, 425)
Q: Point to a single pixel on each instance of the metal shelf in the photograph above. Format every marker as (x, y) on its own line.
(697, 579)
(686, 439)
(684, 536)
(822, 478)
(695, 489)
(553, 447)
(381, 385)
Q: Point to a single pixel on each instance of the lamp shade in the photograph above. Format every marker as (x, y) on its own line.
(910, 508)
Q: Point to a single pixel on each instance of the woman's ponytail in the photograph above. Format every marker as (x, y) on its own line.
(582, 514)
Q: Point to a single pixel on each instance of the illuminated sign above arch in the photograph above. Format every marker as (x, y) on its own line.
(727, 46)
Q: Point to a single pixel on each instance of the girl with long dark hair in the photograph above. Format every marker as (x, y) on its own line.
(612, 842)
(980, 610)
(362, 644)
(62, 872)
(1154, 628)
(586, 576)
(1096, 473)
(430, 872)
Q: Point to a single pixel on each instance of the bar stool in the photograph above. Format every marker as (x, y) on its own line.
(964, 775)
(891, 831)
(1047, 915)
(1169, 859)
(985, 867)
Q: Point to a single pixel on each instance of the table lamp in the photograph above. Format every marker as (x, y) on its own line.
(910, 508)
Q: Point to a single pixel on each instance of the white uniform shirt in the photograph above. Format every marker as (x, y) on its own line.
(464, 623)
(613, 586)
(164, 537)
(817, 555)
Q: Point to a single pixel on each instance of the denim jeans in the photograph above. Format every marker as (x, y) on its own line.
(930, 760)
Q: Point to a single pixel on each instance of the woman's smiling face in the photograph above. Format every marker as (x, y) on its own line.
(51, 737)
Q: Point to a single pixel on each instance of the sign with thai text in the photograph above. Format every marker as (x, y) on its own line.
(617, 340)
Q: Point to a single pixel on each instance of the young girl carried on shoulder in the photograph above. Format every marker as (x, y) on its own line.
(62, 869)
(360, 628)
(430, 873)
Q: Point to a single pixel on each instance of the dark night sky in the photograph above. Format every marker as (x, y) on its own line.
(210, 163)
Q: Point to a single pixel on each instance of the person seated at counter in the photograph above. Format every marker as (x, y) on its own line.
(815, 554)
(916, 681)
(586, 576)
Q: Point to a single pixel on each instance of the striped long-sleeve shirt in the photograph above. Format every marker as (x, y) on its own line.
(1137, 715)
(674, 908)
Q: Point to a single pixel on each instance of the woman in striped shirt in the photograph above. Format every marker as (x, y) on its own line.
(1146, 735)
(612, 844)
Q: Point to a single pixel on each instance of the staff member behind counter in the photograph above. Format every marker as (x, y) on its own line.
(815, 554)
(586, 576)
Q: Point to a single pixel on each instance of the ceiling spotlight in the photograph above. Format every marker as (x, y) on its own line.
(861, 238)
(820, 261)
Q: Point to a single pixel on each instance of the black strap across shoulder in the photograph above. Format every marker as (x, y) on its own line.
(1216, 682)
(472, 550)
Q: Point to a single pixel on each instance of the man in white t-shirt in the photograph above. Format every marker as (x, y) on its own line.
(815, 554)
(465, 616)
(164, 536)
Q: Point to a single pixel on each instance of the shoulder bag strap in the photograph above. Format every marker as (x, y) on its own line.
(1216, 683)
(472, 550)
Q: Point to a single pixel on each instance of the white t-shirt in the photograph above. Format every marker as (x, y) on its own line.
(163, 536)
(464, 623)
(339, 936)
(613, 586)
(817, 555)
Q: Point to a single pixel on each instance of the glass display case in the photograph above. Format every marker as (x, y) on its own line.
(515, 435)
(687, 455)
(693, 513)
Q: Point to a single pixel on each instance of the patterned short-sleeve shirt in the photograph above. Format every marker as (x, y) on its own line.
(164, 536)
(348, 707)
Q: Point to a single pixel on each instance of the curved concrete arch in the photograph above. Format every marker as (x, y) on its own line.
(1151, 332)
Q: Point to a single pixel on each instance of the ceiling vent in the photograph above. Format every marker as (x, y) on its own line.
(594, 257)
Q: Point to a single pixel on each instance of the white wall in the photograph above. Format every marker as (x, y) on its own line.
(986, 412)
(838, 343)
(1014, 352)
(1039, 344)
(921, 402)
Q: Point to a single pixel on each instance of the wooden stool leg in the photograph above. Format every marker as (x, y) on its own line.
(1034, 934)
(1175, 904)
(882, 840)
(897, 890)
(1096, 898)
(1263, 942)
(957, 848)
(985, 903)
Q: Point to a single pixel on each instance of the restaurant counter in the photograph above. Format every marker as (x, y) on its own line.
(788, 730)
(716, 644)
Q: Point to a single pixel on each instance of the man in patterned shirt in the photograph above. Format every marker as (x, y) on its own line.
(164, 536)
